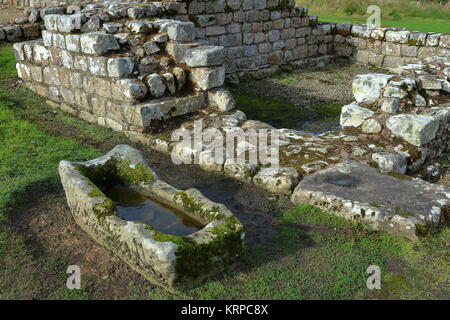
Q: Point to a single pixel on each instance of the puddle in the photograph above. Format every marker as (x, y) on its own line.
(134, 206)
(343, 180)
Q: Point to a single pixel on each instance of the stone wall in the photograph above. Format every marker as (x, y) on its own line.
(260, 33)
(408, 113)
(15, 33)
(41, 3)
(125, 68)
(388, 47)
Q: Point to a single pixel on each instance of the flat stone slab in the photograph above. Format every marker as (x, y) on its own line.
(407, 207)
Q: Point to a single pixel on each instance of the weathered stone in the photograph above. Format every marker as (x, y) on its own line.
(353, 115)
(120, 67)
(97, 66)
(137, 12)
(415, 129)
(223, 99)
(156, 85)
(205, 56)
(314, 166)
(367, 88)
(139, 26)
(131, 89)
(112, 27)
(208, 160)
(430, 83)
(397, 36)
(97, 43)
(361, 31)
(181, 31)
(151, 47)
(169, 80)
(389, 162)
(178, 51)
(390, 105)
(358, 192)
(13, 33)
(392, 91)
(150, 252)
(143, 114)
(73, 42)
(208, 78)
(240, 171)
(180, 77)
(277, 180)
(371, 126)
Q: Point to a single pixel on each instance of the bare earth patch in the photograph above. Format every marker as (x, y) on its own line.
(310, 87)
(48, 225)
(9, 14)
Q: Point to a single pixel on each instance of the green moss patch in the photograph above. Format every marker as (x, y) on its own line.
(197, 208)
(195, 259)
(117, 171)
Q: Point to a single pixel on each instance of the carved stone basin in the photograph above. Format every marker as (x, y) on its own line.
(170, 260)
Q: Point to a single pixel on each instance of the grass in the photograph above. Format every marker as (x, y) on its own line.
(314, 255)
(428, 17)
(7, 63)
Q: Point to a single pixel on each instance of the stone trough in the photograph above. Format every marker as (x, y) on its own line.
(168, 260)
(396, 204)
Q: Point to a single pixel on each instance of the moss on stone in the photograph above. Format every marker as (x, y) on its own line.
(423, 230)
(117, 170)
(105, 208)
(228, 9)
(284, 4)
(133, 174)
(196, 207)
(195, 20)
(195, 260)
(412, 42)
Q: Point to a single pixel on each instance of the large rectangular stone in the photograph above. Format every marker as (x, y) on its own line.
(208, 78)
(205, 56)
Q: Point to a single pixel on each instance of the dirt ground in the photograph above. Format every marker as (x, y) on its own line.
(304, 88)
(9, 14)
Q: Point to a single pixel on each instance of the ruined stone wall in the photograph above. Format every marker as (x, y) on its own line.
(408, 113)
(124, 73)
(388, 47)
(14, 33)
(260, 33)
(42, 3)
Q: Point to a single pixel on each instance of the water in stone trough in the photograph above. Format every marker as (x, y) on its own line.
(134, 206)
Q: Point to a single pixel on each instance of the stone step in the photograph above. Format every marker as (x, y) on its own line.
(142, 115)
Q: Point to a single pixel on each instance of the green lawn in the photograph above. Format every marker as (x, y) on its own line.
(314, 255)
(7, 62)
(428, 16)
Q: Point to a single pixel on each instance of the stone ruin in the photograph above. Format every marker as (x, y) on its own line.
(136, 67)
